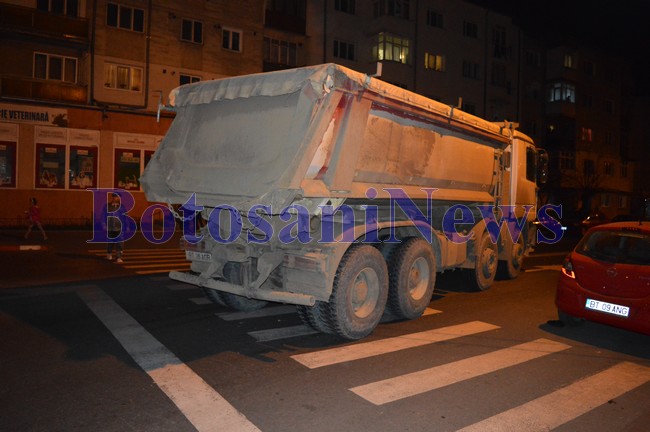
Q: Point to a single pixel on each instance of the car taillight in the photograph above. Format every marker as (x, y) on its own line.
(567, 268)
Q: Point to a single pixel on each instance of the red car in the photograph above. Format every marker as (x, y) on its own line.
(606, 278)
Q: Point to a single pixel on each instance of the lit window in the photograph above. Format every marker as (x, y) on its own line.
(434, 62)
(569, 61)
(125, 17)
(562, 91)
(122, 77)
(231, 40)
(391, 48)
(587, 134)
(192, 31)
(54, 67)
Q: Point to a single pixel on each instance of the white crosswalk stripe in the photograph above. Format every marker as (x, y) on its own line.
(369, 349)
(415, 383)
(567, 403)
(151, 261)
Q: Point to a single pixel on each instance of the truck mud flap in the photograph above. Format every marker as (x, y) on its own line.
(274, 296)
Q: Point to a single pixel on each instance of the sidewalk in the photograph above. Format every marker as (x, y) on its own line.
(63, 257)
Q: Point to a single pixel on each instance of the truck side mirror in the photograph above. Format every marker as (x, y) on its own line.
(542, 167)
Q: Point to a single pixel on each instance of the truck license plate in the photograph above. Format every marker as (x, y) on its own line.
(198, 256)
(610, 308)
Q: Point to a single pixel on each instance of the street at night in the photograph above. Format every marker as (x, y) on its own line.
(118, 350)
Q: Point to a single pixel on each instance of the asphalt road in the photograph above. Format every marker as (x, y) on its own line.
(129, 349)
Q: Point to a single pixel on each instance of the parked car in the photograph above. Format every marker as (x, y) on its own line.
(606, 278)
(592, 220)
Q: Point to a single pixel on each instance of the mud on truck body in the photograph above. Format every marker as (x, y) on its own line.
(328, 189)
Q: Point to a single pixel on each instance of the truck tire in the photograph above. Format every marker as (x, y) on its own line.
(482, 275)
(510, 268)
(359, 293)
(215, 296)
(412, 273)
(232, 274)
(315, 317)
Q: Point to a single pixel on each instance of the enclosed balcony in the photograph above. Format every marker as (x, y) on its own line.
(28, 22)
(35, 89)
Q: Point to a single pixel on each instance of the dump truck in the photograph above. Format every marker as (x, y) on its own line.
(339, 193)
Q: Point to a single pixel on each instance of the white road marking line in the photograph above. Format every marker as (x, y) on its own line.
(282, 333)
(266, 312)
(165, 270)
(403, 386)
(369, 349)
(543, 268)
(206, 409)
(429, 311)
(563, 405)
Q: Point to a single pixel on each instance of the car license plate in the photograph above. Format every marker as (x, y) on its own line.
(608, 307)
(198, 256)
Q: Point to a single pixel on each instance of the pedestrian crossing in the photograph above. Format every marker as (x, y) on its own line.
(150, 261)
(567, 403)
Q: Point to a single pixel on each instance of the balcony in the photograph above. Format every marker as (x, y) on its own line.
(34, 89)
(285, 22)
(31, 22)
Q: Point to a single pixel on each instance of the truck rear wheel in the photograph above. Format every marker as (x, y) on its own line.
(315, 316)
(412, 272)
(232, 273)
(510, 268)
(359, 293)
(482, 275)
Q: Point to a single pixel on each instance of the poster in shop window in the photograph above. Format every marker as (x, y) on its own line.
(50, 166)
(83, 167)
(7, 164)
(127, 169)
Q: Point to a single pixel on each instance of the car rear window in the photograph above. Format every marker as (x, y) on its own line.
(616, 247)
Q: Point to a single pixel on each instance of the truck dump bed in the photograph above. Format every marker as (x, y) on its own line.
(321, 131)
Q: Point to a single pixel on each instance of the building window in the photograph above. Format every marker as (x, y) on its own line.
(392, 48)
(533, 59)
(188, 79)
(122, 77)
(587, 134)
(434, 62)
(470, 29)
(343, 50)
(622, 201)
(562, 91)
(499, 42)
(499, 75)
(7, 164)
(624, 169)
(344, 6)
(434, 19)
(567, 160)
(588, 167)
(609, 107)
(127, 169)
(192, 31)
(469, 108)
(396, 8)
(280, 52)
(587, 101)
(609, 168)
(125, 17)
(471, 69)
(231, 40)
(63, 7)
(608, 138)
(55, 67)
(589, 68)
(569, 61)
(604, 200)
